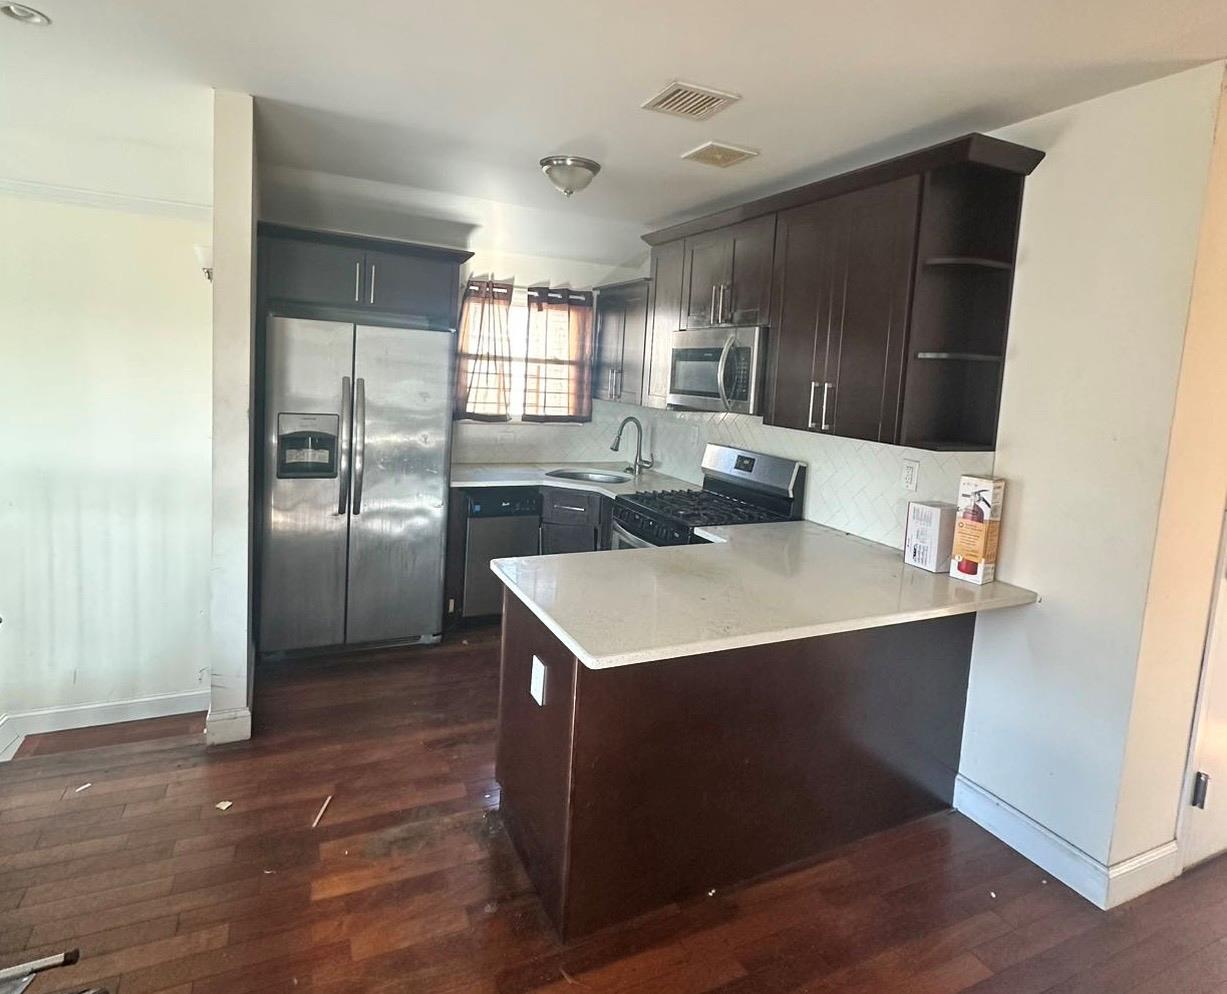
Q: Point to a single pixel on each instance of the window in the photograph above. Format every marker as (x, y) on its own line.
(524, 354)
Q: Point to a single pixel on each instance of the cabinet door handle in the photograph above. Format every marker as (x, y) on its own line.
(711, 310)
(357, 281)
(823, 424)
(372, 283)
(722, 313)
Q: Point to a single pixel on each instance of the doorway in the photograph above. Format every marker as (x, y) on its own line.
(1203, 829)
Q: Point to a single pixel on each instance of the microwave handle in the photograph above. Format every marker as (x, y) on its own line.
(720, 367)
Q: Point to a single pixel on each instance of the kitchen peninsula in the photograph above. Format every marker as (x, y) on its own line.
(678, 719)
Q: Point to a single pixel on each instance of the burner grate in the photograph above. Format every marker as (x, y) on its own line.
(702, 507)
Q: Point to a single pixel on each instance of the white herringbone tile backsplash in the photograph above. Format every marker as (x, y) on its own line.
(851, 485)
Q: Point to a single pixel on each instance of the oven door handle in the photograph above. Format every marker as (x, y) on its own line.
(634, 541)
(720, 368)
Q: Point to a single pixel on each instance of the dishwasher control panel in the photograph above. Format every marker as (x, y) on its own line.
(503, 503)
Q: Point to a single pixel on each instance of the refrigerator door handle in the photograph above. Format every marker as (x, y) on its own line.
(343, 444)
(359, 441)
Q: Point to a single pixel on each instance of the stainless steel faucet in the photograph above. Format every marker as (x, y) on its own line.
(640, 463)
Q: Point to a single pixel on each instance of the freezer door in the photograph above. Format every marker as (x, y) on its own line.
(398, 514)
(308, 384)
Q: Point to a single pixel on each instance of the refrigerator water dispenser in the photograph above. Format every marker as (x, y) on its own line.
(307, 446)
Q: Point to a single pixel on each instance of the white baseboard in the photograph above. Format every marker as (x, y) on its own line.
(10, 738)
(1103, 885)
(1133, 877)
(233, 725)
(15, 727)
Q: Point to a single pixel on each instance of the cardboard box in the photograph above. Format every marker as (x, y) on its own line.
(929, 537)
(977, 529)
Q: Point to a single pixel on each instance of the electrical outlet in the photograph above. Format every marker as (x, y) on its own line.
(536, 682)
(911, 474)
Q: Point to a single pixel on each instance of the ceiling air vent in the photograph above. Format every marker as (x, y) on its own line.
(690, 100)
(719, 154)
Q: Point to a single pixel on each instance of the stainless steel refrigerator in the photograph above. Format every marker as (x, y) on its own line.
(357, 426)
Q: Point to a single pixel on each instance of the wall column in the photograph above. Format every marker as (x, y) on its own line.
(230, 630)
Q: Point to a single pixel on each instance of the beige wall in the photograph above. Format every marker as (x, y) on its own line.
(1108, 241)
(1183, 576)
(104, 518)
(230, 644)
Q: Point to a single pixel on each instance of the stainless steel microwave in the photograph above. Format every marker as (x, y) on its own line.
(718, 369)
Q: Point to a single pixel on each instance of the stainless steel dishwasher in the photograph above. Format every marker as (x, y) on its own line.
(498, 524)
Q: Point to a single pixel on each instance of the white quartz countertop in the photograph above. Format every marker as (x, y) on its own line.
(534, 475)
(755, 584)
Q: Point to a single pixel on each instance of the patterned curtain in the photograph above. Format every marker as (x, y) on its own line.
(483, 367)
(558, 366)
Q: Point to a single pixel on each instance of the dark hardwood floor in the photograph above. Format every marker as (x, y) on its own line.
(119, 733)
(409, 883)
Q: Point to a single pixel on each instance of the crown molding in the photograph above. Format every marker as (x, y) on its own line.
(125, 203)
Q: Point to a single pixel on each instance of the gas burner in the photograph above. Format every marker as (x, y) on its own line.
(702, 507)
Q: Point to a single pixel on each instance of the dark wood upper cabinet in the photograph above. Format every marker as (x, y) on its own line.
(865, 348)
(314, 272)
(665, 317)
(726, 276)
(412, 284)
(621, 339)
(889, 296)
(807, 285)
(748, 298)
(843, 279)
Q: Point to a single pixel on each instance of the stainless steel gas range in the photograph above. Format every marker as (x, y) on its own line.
(739, 488)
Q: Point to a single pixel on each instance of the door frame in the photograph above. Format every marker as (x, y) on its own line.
(1204, 676)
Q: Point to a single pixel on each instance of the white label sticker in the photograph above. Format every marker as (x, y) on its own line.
(306, 455)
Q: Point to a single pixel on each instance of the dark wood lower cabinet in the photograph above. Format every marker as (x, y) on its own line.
(633, 787)
(567, 538)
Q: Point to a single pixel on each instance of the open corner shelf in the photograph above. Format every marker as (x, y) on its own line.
(972, 261)
(961, 356)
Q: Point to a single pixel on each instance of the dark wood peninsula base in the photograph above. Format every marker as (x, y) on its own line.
(639, 785)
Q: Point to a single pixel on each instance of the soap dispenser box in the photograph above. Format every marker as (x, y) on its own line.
(977, 529)
(929, 537)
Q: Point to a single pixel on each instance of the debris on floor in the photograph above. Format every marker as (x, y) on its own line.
(992, 894)
(224, 805)
(84, 786)
(323, 808)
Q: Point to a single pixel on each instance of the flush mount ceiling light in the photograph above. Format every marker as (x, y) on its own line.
(26, 15)
(569, 173)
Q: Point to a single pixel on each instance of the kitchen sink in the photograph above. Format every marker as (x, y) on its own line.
(589, 475)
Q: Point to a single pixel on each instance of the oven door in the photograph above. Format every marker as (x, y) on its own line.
(622, 539)
(717, 369)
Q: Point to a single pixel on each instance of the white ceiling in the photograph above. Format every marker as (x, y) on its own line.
(461, 99)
